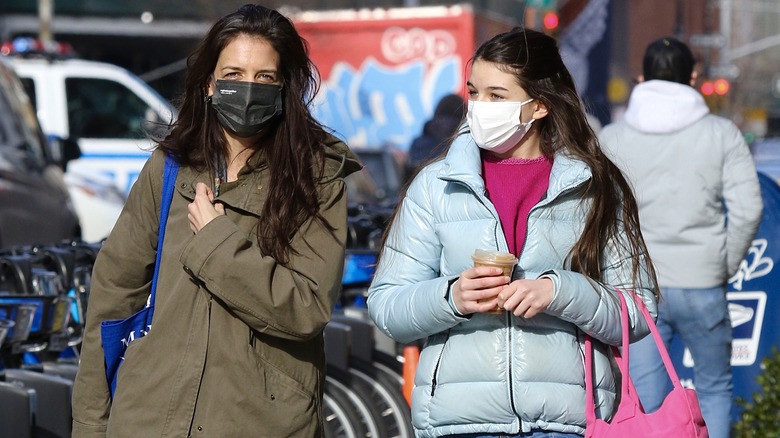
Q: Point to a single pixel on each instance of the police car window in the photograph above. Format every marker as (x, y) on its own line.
(29, 87)
(99, 108)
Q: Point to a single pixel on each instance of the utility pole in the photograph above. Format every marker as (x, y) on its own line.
(725, 30)
(45, 12)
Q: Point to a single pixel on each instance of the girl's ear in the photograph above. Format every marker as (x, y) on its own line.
(540, 109)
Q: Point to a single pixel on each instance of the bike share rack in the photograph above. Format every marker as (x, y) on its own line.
(44, 315)
(43, 299)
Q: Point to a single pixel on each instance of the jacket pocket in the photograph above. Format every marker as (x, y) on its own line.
(435, 374)
(275, 391)
(279, 376)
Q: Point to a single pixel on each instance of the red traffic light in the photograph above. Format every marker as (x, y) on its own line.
(707, 88)
(718, 86)
(721, 86)
(550, 20)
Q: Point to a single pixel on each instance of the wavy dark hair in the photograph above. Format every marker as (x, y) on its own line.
(534, 60)
(293, 146)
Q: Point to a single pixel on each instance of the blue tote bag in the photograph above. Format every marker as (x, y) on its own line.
(117, 334)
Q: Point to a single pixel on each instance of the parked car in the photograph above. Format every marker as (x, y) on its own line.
(35, 206)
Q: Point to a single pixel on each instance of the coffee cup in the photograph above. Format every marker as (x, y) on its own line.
(499, 259)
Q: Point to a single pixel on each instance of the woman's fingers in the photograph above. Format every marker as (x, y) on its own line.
(526, 298)
(202, 209)
(476, 289)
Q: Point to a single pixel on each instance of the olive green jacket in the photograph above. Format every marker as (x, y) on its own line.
(236, 345)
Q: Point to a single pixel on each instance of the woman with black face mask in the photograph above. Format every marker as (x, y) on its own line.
(252, 256)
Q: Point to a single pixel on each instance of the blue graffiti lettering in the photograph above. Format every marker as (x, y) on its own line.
(379, 105)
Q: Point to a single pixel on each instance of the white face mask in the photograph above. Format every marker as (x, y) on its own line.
(496, 126)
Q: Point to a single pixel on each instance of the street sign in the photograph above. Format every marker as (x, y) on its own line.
(727, 71)
(714, 40)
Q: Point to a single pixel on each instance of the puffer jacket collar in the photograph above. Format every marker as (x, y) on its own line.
(463, 164)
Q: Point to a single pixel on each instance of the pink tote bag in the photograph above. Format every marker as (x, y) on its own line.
(678, 417)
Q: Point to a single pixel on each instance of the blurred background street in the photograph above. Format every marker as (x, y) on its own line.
(735, 40)
(103, 78)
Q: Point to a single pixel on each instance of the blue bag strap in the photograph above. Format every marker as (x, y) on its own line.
(169, 182)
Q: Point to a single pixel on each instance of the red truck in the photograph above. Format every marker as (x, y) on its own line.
(384, 70)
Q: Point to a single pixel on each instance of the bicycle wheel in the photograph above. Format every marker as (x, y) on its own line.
(360, 396)
(339, 416)
(385, 391)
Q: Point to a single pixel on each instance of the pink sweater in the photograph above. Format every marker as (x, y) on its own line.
(515, 185)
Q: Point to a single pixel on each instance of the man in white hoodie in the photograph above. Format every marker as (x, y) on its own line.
(699, 209)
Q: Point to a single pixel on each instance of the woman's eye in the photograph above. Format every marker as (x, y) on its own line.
(473, 93)
(266, 77)
(496, 97)
(231, 75)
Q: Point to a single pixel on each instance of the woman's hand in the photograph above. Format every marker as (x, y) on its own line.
(476, 290)
(202, 209)
(526, 298)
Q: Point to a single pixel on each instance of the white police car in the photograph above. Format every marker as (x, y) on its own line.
(105, 108)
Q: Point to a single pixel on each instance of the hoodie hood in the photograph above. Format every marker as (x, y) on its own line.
(662, 107)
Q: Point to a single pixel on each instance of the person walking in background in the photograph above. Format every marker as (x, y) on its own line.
(252, 260)
(437, 131)
(699, 208)
(527, 177)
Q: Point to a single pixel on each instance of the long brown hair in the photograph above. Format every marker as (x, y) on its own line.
(291, 147)
(535, 61)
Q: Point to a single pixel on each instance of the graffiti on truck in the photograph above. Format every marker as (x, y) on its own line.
(377, 106)
(385, 99)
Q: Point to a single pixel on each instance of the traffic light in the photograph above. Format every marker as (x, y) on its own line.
(719, 87)
(707, 88)
(543, 15)
(550, 20)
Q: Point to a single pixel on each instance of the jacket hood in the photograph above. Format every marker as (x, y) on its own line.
(340, 160)
(661, 107)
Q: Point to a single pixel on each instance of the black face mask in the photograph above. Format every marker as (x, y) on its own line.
(245, 108)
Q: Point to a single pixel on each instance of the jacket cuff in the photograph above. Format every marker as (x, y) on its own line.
(204, 243)
(451, 301)
(81, 430)
(556, 281)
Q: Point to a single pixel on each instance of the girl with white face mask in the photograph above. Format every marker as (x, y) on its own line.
(524, 175)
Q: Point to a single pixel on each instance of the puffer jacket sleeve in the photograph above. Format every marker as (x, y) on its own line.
(594, 307)
(407, 298)
(742, 195)
(292, 301)
(121, 280)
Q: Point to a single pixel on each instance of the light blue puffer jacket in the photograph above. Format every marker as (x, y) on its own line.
(497, 373)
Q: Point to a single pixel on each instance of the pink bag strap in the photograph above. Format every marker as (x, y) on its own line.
(622, 357)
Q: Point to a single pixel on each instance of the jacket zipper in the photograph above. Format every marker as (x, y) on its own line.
(508, 318)
(438, 363)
